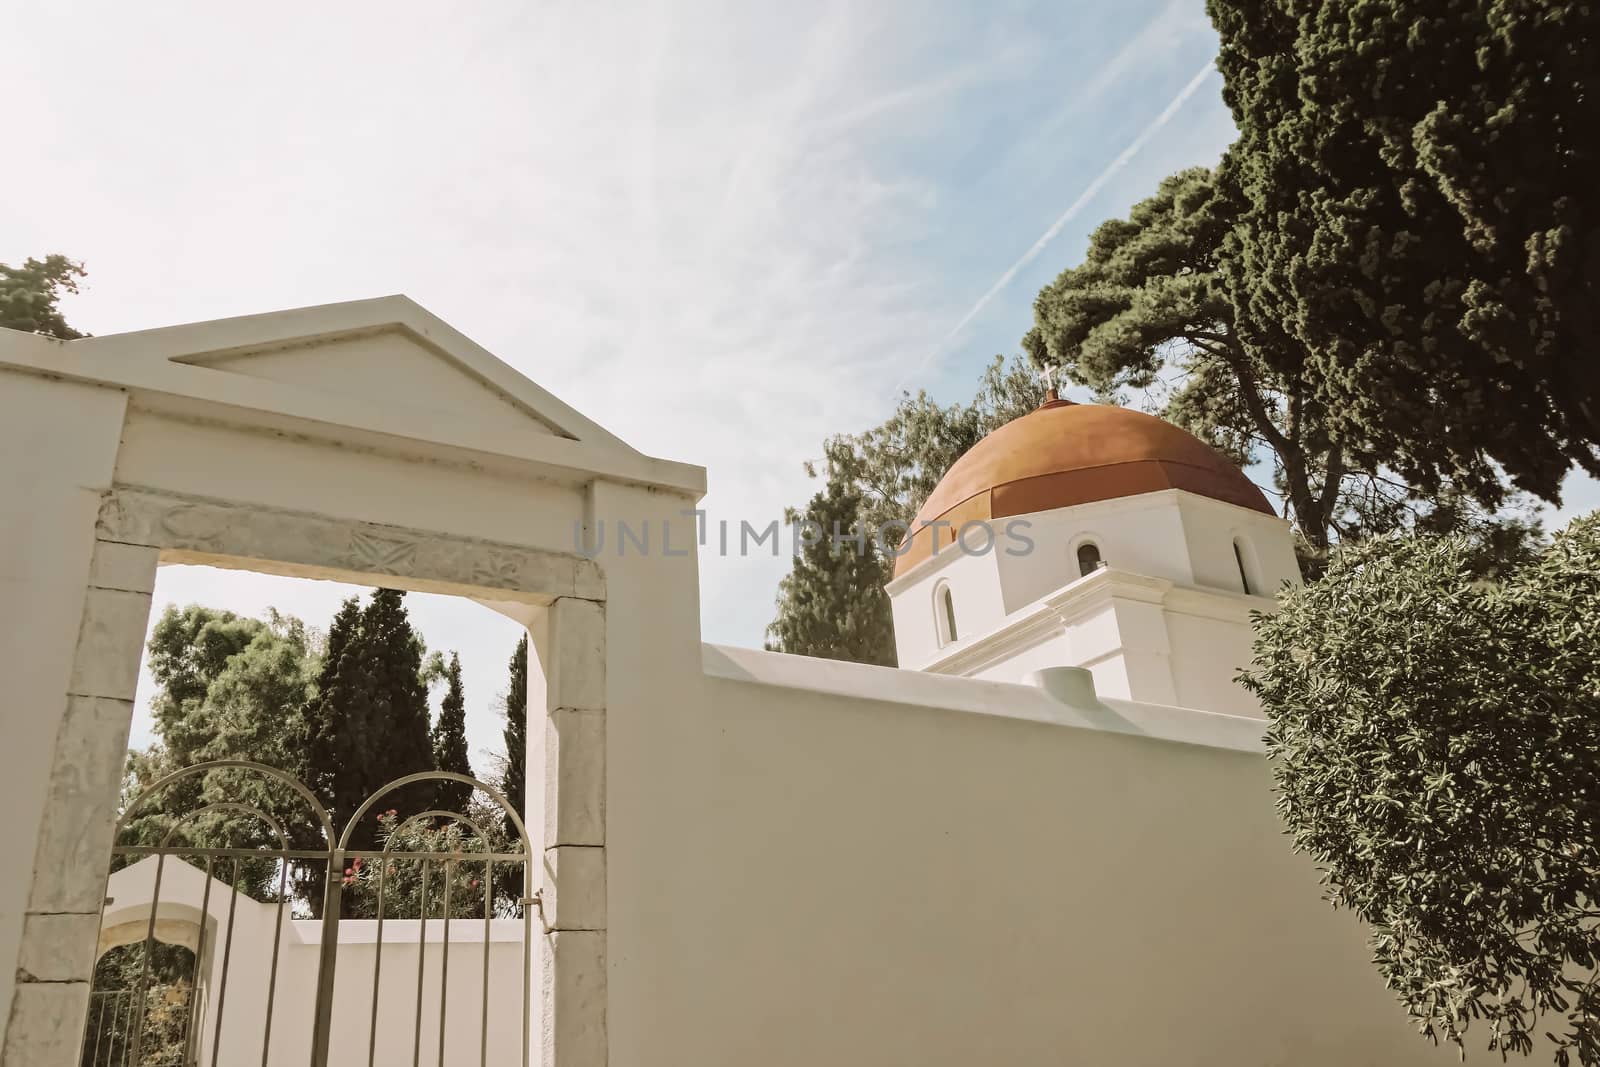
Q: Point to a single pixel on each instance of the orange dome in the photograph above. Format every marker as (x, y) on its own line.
(1064, 454)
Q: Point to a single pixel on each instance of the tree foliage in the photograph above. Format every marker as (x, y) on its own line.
(227, 688)
(30, 295)
(832, 602)
(1419, 236)
(896, 464)
(450, 741)
(1435, 740)
(368, 723)
(513, 777)
(345, 716)
(418, 888)
(1149, 309)
(124, 983)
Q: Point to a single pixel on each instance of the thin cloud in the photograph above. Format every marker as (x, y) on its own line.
(1089, 193)
(923, 93)
(1156, 44)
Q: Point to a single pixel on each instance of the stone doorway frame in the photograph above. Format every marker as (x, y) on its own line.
(138, 528)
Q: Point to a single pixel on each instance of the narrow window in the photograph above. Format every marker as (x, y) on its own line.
(1089, 559)
(1244, 574)
(947, 609)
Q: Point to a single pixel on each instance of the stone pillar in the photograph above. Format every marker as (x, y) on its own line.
(62, 925)
(58, 451)
(572, 1008)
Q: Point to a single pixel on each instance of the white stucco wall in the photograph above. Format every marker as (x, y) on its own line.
(1141, 534)
(1211, 643)
(979, 601)
(243, 1005)
(852, 865)
(1210, 528)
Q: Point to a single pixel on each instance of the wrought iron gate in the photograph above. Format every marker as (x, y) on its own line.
(259, 851)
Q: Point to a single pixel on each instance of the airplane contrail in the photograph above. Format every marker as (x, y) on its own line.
(1088, 194)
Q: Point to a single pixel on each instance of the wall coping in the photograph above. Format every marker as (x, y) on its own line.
(976, 696)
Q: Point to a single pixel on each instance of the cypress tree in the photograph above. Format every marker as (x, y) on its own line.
(450, 742)
(513, 783)
(328, 716)
(368, 723)
(397, 743)
(336, 713)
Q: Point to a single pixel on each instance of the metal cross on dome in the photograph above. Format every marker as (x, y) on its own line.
(1051, 386)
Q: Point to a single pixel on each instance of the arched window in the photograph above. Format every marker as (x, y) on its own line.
(1089, 559)
(945, 612)
(1244, 571)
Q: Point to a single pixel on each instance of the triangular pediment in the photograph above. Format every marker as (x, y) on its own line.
(380, 374)
(388, 364)
(387, 352)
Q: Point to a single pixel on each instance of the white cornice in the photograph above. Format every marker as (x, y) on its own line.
(1071, 604)
(929, 566)
(1048, 615)
(1217, 604)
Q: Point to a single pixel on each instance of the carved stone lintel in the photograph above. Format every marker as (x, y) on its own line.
(217, 528)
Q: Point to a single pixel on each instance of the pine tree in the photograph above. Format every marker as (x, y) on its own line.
(1149, 309)
(450, 742)
(513, 782)
(1419, 244)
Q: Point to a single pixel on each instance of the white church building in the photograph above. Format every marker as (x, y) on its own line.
(1120, 543)
(1048, 838)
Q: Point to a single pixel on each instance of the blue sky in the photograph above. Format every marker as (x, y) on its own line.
(723, 230)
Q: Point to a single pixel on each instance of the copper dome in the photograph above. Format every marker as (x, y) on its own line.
(1064, 454)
